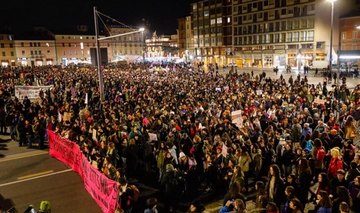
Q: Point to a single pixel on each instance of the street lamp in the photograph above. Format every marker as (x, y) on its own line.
(331, 33)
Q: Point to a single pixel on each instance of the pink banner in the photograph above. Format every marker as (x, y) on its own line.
(102, 189)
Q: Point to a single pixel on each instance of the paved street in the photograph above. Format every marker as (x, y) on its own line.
(294, 72)
(29, 176)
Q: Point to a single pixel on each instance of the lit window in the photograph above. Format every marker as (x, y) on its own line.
(80, 37)
(82, 45)
(228, 20)
(47, 44)
(219, 20)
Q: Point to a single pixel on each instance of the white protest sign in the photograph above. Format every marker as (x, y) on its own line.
(32, 92)
(237, 118)
(224, 150)
(153, 137)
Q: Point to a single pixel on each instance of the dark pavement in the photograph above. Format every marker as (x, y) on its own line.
(28, 176)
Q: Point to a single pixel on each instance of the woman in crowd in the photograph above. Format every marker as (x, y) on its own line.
(354, 193)
(108, 168)
(233, 194)
(238, 206)
(296, 206)
(160, 156)
(304, 176)
(275, 185)
(244, 163)
(261, 199)
(350, 128)
(238, 176)
(323, 203)
(343, 195)
(290, 194)
(335, 163)
(272, 208)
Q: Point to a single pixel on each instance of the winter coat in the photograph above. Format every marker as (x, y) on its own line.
(334, 166)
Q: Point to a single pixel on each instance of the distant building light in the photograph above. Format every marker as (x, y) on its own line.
(349, 56)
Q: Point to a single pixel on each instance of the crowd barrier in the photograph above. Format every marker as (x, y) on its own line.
(103, 190)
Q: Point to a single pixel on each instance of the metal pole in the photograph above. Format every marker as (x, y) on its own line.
(331, 35)
(98, 56)
(143, 45)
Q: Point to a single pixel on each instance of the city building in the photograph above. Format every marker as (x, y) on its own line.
(212, 30)
(186, 39)
(181, 32)
(128, 45)
(35, 48)
(74, 46)
(350, 40)
(269, 33)
(162, 47)
(7, 48)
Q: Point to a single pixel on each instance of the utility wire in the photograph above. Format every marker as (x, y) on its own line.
(115, 20)
(104, 23)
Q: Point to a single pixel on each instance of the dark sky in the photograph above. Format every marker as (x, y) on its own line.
(57, 14)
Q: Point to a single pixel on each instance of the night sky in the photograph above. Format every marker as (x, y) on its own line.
(161, 15)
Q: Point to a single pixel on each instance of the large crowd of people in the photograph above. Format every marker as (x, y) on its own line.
(294, 143)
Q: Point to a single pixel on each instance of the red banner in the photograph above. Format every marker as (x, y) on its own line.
(102, 189)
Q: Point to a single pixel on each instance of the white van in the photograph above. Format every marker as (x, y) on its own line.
(319, 65)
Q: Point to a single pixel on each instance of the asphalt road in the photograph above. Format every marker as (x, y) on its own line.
(28, 176)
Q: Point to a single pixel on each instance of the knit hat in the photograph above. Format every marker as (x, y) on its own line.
(181, 154)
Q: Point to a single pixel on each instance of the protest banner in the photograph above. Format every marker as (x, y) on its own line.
(319, 101)
(103, 190)
(32, 92)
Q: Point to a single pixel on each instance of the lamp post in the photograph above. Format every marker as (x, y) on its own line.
(331, 34)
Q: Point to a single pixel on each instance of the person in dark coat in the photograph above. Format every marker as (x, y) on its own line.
(170, 182)
(21, 130)
(29, 134)
(131, 154)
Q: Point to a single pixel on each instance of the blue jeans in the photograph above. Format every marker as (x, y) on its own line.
(29, 139)
(12, 132)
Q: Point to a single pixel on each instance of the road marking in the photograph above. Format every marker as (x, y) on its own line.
(35, 175)
(21, 156)
(34, 178)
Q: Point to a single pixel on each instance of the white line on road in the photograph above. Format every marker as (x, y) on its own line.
(33, 178)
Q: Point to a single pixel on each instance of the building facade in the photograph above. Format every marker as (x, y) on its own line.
(75, 47)
(7, 48)
(212, 30)
(162, 47)
(269, 33)
(129, 46)
(349, 56)
(35, 48)
(181, 33)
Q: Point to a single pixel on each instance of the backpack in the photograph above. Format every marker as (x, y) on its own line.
(320, 155)
(309, 145)
(136, 193)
